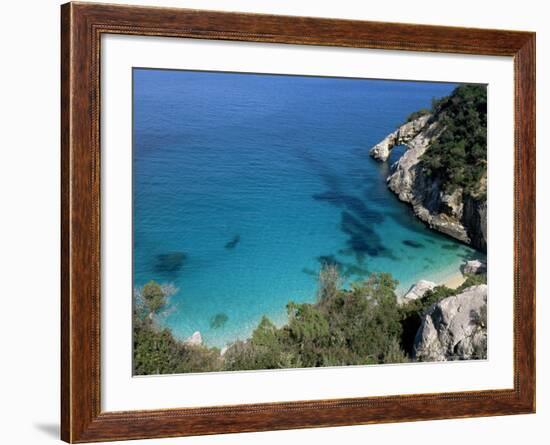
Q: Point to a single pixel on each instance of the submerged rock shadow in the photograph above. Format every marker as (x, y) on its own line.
(412, 243)
(169, 262)
(219, 320)
(362, 240)
(347, 269)
(233, 242)
(358, 219)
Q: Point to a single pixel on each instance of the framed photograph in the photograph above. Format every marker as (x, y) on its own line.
(274, 222)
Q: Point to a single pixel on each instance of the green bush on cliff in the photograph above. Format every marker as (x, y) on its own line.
(473, 280)
(153, 296)
(362, 325)
(355, 327)
(156, 351)
(458, 157)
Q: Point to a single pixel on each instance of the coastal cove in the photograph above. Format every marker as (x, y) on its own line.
(244, 185)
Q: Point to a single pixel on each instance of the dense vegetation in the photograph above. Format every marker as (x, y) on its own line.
(355, 327)
(156, 351)
(362, 325)
(458, 157)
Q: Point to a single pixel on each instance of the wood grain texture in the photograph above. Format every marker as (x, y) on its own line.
(81, 28)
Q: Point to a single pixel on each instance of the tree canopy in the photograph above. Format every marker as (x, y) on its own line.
(360, 325)
(458, 157)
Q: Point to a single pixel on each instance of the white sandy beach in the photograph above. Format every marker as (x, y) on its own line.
(454, 280)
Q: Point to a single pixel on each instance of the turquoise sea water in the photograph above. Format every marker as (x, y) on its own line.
(244, 184)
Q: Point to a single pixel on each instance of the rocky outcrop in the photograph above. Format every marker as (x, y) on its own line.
(455, 328)
(474, 267)
(404, 134)
(455, 214)
(195, 339)
(474, 218)
(417, 291)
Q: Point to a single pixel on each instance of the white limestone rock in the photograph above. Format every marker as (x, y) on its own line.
(440, 211)
(456, 214)
(402, 135)
(474, 267)
(195, 339)
(417, 291)
(455, 328)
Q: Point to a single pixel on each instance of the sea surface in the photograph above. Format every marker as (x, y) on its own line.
(243, 184)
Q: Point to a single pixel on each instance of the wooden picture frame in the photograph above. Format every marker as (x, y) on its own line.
(82, 25)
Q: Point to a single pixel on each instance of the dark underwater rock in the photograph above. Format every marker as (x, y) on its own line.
(218, 320)
(170, 261)
(413, 243)
(231, 244)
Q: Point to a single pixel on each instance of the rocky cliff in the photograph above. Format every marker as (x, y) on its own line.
(455, 328)
(417, 290)
(459, 214)
(404, 134)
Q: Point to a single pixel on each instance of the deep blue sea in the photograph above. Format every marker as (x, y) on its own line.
(244, 184)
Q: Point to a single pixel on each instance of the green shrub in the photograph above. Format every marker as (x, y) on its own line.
(359, 326)
(153, 296)
(473, 280)
(362, 325)
(156, 351)
(458, 157)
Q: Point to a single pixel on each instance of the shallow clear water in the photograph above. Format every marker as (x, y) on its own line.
(244, 183)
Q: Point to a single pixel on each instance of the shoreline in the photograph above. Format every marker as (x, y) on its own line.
(452, 278)
(453, 281)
